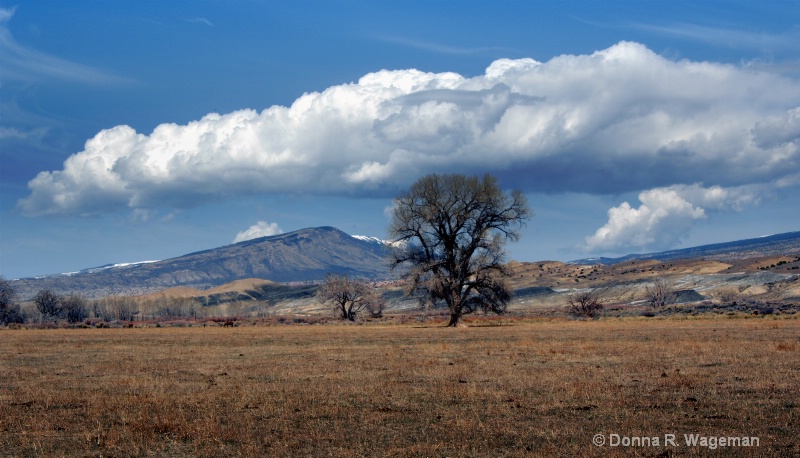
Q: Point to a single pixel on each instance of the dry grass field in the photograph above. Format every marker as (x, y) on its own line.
(492, 388)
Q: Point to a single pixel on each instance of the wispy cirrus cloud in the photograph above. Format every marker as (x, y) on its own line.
(439, 47)
(24, 64)
(6, 14)
(200, 20)
(733, 38)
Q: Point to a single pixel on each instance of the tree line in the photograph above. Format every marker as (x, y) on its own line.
(49, 307)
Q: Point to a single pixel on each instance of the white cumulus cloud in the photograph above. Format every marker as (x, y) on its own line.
(260, 229)
(618, 120)
(665, 217)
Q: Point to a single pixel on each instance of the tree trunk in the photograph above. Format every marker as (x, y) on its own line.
(454, 317)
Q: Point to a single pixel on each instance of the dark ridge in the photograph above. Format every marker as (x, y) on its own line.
(779, 244)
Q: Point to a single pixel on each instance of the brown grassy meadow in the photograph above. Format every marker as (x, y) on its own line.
(535, 388)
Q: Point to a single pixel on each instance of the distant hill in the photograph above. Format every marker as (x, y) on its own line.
(304, 255)
(249, 289)
(772, 245)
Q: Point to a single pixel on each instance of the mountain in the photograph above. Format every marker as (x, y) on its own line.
(304, 255)
(780, 244)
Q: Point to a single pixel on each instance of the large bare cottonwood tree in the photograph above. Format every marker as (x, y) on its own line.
(450, 231)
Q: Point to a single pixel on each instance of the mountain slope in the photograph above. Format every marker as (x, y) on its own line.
(778, 244)
(304, 255)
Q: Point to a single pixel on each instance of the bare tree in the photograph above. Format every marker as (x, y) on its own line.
(661, 293)
(9, 309)
(49, 304)
(74, 308)
(586, 303)
(116, 308)
(174, 307)
(349, 297)
(450, 232)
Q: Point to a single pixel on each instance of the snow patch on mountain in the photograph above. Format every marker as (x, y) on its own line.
(367, 238)
(376, 240)
(109, 266)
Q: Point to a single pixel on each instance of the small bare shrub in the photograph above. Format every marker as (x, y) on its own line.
(661, 293)
(586, 303)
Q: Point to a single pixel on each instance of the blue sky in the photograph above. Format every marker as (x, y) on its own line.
(143, 130)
